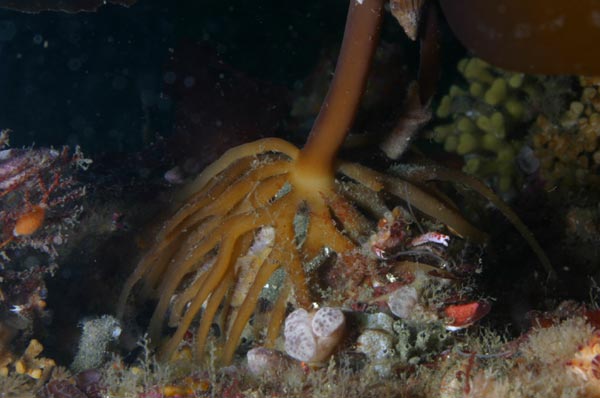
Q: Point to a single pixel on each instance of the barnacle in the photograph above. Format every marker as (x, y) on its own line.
(193, 270)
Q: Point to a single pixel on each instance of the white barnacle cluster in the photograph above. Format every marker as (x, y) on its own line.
(265, 362)
(312, 337)
(403, 301)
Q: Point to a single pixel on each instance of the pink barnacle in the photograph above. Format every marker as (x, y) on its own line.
(464, 315)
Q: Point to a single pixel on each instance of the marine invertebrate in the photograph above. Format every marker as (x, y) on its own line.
(586, 363)
(265, 362)
(419, 342)
(32, 364)
(403, 300)
(312, 337)
(24, 292)
(569, 149)
(33, 183)
(309, 199)
(484, 117)
(464, 315)
(378, 346)
(558, 359)
(96, 335)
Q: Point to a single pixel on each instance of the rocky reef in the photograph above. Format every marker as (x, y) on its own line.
(461, 264)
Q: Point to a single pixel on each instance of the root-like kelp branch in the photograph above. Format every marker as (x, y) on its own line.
(439, 173)
(196, 277)
(242, 247)
(415, 196)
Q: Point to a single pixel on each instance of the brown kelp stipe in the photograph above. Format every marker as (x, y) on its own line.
(195, 268)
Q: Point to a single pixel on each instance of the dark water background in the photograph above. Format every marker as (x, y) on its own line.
(99, 79)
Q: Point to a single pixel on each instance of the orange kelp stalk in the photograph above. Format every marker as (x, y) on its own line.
(532, 36)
